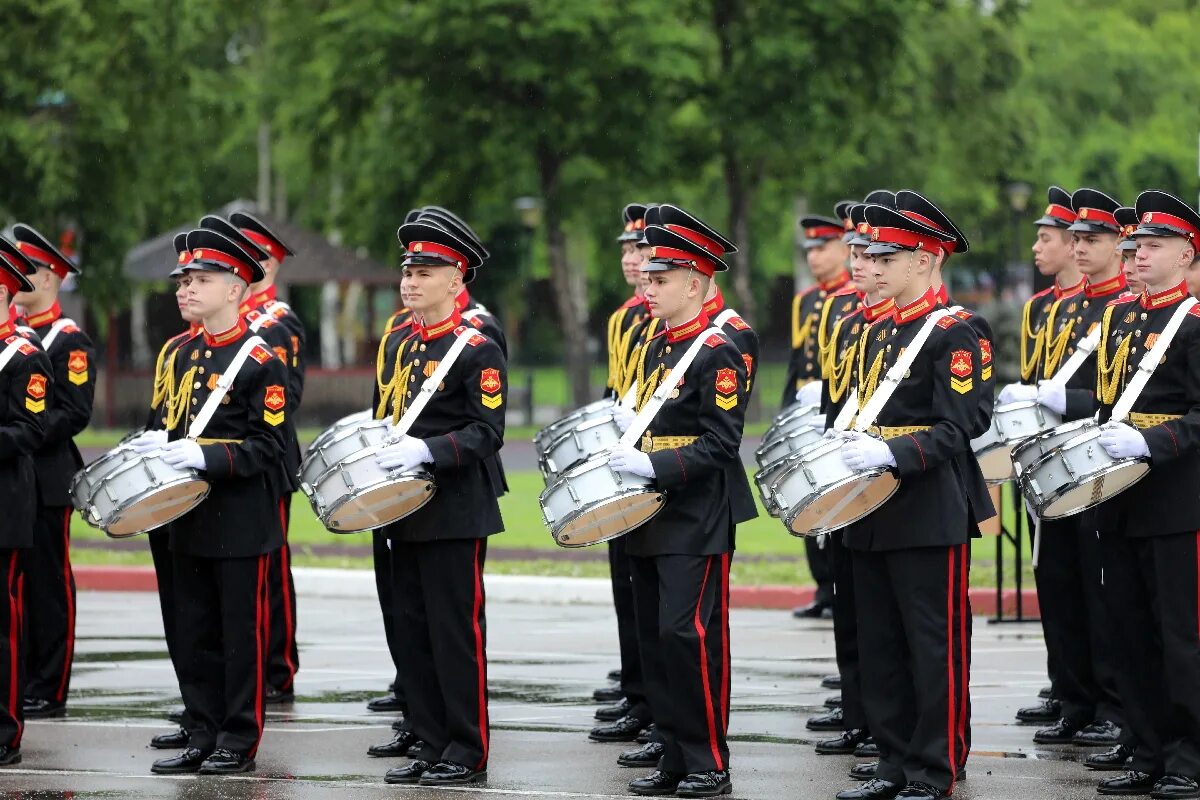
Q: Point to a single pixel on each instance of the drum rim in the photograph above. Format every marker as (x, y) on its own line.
(594, 422)
(127, 463)
(596, 461)
(192, 476)
(1113, 466)
(1055, 431)
(779, 439)
(576, 513)
(872, 474)
(359, 456)
(333, 508)
(583, 411)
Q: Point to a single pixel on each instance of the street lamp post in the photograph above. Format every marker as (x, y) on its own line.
(1018, 193)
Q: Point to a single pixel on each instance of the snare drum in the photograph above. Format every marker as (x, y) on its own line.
(592, 503)
(815, 492)
(550, 433)
(350, 421)
(125, 493)
(794, 418)
(349, 492)
(1065, 470)
(1012, 424)
(576, 445)
(801, 438)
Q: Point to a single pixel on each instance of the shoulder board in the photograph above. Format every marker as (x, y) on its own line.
(1042, 293)
(475, 340)
(715, 339)
(847, 289)
(1125, 298)
(25, 348)
(737, 323)
(964, 314)
(70, 329)
(261, 354)
(1194, 310)
(476, 322)
(946, 322)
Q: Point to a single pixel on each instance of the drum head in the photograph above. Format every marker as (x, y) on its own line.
(153, 510)
(996, 464)
(843, 503)
(608, 519)
(1113, 480)
(379, 506)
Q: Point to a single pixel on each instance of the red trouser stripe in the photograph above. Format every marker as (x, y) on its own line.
(14, 646)
(262, 616)
(704, 681)
(289, 625)
(725, 676)
(67, 577)
(480, 658)
(951, 728)
(964, 680)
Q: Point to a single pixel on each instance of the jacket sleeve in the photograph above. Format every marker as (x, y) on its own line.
(262, 448)
(987, 377)
(73, 364)
(484, 376)
(296, 365)
(23, 424)
(1170, 440)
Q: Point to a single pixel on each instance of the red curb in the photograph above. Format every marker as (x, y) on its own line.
(115, 579)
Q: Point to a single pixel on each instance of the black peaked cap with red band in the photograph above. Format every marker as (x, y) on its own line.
(428, 243)
(411, 216)
(672, 250)
(893, 231)
(690, 226)
(861, 234)
(841, 210)
(263, 236)
(819, 230)
(37, 248)
(228, 229)
(881, 197)
(1127, 218)
(182, 255)
(1058, 213)
(923, 210)
(1093, 212)
(1162, 214)
(456, 225)
(14, 266)
(633, 223)
(215, 252)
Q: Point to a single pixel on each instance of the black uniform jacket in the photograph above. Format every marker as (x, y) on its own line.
(693, 443)
(1036, 328)
(73, 363)
(243, 446)
(847, 340)
(26, 392)
(463, 425)
(266, 302)
(281, 341)
(1167, 500)
(942, 495)
(1073, 318)
(804, 363)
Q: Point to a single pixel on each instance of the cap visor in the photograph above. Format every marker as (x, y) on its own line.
(1089, 227)
(1053, 222)
(883, 249)
(1159, 230)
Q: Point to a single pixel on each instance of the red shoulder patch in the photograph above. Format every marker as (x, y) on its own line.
(1124, 298)
(261, 354)
(964, 314)
(738, 324)
(26, 347)
(727, 381)
(274, 398)
(714, 340)
(279, 312)
(489, 380)
(985, 351)
(70, 329)
(476, 322)
(946, 322)
(476, 340)
(960, 363)
(1195, 310)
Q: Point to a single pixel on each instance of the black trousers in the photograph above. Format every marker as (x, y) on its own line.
(1153, 604)
(382, 557)
(221, 623)
(164, 575)
(12, 664)
(283, 653)
(50, 606)
(438, 592)
(821, 568)
(845, 632)
(633, 683)
(683, 609)
(914, 639)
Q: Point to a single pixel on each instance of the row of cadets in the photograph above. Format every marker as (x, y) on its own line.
(438, 552)
(909, 557)
(1084, 706)
(27, 387)
(49, 579)
(680, 559)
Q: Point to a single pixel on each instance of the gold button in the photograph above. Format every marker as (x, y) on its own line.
(412, 378)
(888, 349)
(201, 370)
(194, 401)
(818, 306)
(668, 349)
(225, 400)
(822, 293)
(416, 362)
(1085, 303)
(208, 353)
(191, 417)
(1137, 333)
(1143, 315)
(1079, 319)
(196, 385)
(421, 348)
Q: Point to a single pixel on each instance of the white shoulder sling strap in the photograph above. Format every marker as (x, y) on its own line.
(55, 330)
(726, 315)
(11, 351)
(431, 384)
(891, 381)
(1085, 349)
(1150, 362)
(224, 383)
(259, 321)
(642, 421)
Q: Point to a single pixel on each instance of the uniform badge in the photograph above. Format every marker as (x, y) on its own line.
(1071, 308)
(261, 354)
(1129, 318)
(430, 368)
(273, 405)
(212, 381)
(489, 385)
(195, 356)
(749, 362)
(879, 337)
(961, 379)
(985, 359)
(35, 393)
(738, 324)
(77, 367)
(1150, 340)
(281, 353)
(727, 384)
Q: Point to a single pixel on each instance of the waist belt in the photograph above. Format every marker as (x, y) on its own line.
(892, 432)
(652, 444)
(1143, 421)
(203, 440)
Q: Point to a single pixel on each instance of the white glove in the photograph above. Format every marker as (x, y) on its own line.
(1123, 441)
(866, 452)
(183, 454)
(629, 459)
(623, 415)
(809, 394)
(1052, 395)
(148, 441)
(1017, 393)
(406, 454)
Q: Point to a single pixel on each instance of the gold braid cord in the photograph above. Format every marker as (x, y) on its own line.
(178, 401)
(614, 348)
(1055, 344)
(1110, 372)
(646, 386)
(800, 333)
(1030, 341)
(164, 377)
(632, 367)
(838, 369)
(392, 398)
(825, 341)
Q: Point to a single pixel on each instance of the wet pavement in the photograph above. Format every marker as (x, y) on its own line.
(545, 661)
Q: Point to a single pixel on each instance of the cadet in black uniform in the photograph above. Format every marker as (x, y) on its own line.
(26, 389)
(49, 580)
(438, 551)
(1150, 547)
(909, 556)
(680, 559)
(221, 549)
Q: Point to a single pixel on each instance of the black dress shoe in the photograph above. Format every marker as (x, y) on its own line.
(656, 783)
(448, 773)
(400, 744)
(645, 756)
(275, 696)
(40, 708)
(868, 749)
(811, 611)
(9, 755)
(919, 790)
(401, 724)
(1175, 787)
(1099, 734)
(648, 735)
(831, 682)
(842, 745)
(1061, 732)
(705, 784)
(827, 722)
(1113, 758)
(187, 761)
(226, 762)
(175, 715)
(609, 694)
(1045, 711)
(614, 675)
(613, 712)
(874, 789)
(1046, 692)
(864, 771)
(625, 729)
(409, 773)
(1131, 781)
(389, 704)
(171, 741)
(833, 701)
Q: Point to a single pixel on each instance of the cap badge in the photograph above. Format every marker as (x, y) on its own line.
(1147, 217)
(1083, 213)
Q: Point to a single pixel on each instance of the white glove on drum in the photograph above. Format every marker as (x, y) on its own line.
(406, 454)
(866, 452)
(629, 459)
(809, 394)
(1017, 393)
(148, 441)
(1052, 395)
(623, 415)
(183, 454)
(1123, 441)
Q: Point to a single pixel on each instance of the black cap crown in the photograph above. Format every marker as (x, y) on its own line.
(37, 248)
(227, 229)
(263, 236)
(893, 231)
(1058, 213)
(456, 225)
(1093, 212)
(14, 266)
(674, 218)
(1127, 218)
(633, 221)
(215, 252)
(673, 249)
(913, 204)
(428, 243)
(819, 230)
(1162, 214)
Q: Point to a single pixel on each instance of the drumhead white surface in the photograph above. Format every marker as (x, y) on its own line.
(841, 504)
(379, 506)
(609, 519)
(157, 509)
(996, 463)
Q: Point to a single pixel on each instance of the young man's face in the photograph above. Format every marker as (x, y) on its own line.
(181, 294)
(827, 259)
(1129, 270)
(1095, 253)
(668, 292)
(45, 287)
(893, 273)
(631, 263)
(862, 269)
(425, 287)
(1052, 250)
(1161, 260)
(209, 293)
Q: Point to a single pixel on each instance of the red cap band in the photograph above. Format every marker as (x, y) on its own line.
(185, 257)
(1060, 212)
(823, 232)
(237, 265)
(1099, 216)
(699, 239)
(57, 265)
(273, 248)
(704, 265)
(1190, 231)
(433, 248)
(947, 245)
(904, 238)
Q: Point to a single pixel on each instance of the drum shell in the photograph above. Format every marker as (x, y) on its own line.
(1012, 424)
(783, 446)
(811, 478)
(1078, 474)
(593, 487)
(348, 421)
(114, 492)
(543, 438)
(1029, 451)
(793, 417)
(338, 494)
(576, 445)
(339, 443)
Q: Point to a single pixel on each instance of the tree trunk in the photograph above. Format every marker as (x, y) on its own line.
(741, 203)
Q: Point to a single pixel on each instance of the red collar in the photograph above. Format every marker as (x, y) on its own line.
(462, 300)
(917, 308)
(942, 295)
(1060, 292)
(438, 330)
(836, 282)
(194, 329)
(50, 315)
(633, 302)
(878, 310)
(245, 308)
(265, 296)
(226, 337)
(1167, 298)
(6, 329)
(715, 305)
(688, 330)
(1110, 286)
